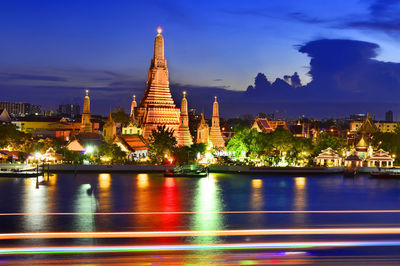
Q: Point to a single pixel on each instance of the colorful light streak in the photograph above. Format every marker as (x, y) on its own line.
(158, 248)
(191, 212)
(250, 232)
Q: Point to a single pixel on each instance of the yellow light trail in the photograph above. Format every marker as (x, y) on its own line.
(190, 212)
(251, 232)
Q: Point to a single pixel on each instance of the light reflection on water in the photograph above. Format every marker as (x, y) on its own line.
(89, 193)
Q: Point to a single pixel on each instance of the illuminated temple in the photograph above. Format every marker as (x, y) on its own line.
(157, 107)
(86, 126)
(183, 134)
(215, 131)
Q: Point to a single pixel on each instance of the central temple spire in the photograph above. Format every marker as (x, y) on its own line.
(157, 107)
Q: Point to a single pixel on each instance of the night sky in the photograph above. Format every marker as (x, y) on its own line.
(345, 54)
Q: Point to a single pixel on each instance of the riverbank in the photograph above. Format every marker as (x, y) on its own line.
(84, 168)
(212, 168)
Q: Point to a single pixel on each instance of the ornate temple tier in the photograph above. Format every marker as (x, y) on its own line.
(215, 132)
(157, 106)
(183, 134)
(86, 126)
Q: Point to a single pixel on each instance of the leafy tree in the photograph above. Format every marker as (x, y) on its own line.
(162, 142)
(188, 155)
(326, 140)
(112, 151)
(246, 140)
(397, 129)
(281, 140)
(120, 116)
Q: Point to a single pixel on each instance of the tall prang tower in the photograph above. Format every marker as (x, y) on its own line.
(183, 134)
(86, 126)
(215, 132)
(157, 107)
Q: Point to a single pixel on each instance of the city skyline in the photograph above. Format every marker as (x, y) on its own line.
(105, 49)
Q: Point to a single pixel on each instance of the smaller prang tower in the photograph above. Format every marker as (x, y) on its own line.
(215, 132)
(183, 134)
(86, 126)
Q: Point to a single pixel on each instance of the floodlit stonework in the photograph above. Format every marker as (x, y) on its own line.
(215, 131)
(183, 134)
(86, 126)
(157, 107)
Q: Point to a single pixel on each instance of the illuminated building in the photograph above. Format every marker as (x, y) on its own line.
(20, 108)
(131, 140)
(85, 123)
(109, 129)
(215, 130)
(4, 116)
(157, 107)
(183, 134)
(328, 156)
(370, 127)
(380, 157)
(203, 131)
(69, 110)
(266, 126)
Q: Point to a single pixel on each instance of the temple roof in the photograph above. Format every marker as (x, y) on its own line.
(133, 142)
(362, 143)
(328, 154)
(368, 126)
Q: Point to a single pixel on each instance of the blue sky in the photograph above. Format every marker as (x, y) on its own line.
(221, 44)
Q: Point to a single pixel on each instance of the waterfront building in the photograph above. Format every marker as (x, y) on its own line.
(380, 157)
(328, 157)
(353, 160)
(85, 122)
(157, 107)
(203, 131)
(109, 129)
(86, 142)
(184, 138)
(215, 131)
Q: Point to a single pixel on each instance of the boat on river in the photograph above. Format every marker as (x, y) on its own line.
(17, 170)
(187, 171)
(386, 173)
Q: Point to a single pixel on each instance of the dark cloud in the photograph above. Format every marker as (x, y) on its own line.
(22, 77)
(218, 79)
(346, 77)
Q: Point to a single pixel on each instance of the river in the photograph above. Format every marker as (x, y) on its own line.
(242, 219)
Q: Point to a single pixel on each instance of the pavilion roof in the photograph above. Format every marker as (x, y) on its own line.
(380, 155)
(134, 142)
(353, 157)
(328, 154)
